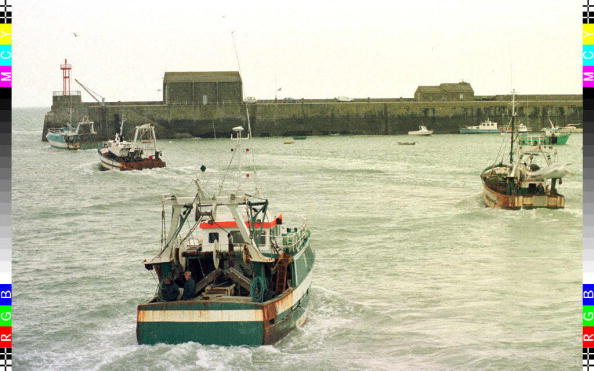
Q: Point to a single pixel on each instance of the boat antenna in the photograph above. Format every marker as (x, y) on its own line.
(122, 120)
(247, 113)
(511, 148)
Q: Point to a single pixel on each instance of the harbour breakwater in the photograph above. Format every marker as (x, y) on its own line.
(313, 117)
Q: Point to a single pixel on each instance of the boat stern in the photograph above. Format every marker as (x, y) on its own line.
(202, 321)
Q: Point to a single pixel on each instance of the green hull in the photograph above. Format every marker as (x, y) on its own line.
(197, 328)
(231, 320)
(558, 139)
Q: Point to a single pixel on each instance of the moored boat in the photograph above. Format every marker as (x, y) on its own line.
(543, 139)
(485, 127)
(407, 143)
(300, 137)
(423, 131)
(556, 135)
(571, 128)
(520, 128)
(246, 276)
(118, 154)
(528, 179)
(82, 135)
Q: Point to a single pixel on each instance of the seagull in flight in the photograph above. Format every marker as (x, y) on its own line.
(75, 34)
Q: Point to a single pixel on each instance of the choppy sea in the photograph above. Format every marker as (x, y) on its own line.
(412, 271)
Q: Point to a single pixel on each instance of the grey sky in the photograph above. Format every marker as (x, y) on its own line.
(311, 49)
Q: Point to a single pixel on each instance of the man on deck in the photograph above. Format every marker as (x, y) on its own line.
(189, 287)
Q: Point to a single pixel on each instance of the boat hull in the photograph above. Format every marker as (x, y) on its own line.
(478, 131)
(57, 140)
(499, 200)
(559, 139)
(113, 163)
(223, 322)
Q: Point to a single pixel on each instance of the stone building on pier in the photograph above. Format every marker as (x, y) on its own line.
(445, 92)
(202, 88)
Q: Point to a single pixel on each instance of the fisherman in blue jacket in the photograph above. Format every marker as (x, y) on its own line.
(189, 287)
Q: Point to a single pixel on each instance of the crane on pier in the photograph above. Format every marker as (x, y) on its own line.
(92, 93)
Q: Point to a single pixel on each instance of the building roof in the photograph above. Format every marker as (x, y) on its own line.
(213, 76)
(429, 89)
(461, 87)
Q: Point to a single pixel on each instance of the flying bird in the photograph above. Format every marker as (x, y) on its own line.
(75, 34)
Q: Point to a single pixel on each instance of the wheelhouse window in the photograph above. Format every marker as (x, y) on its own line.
(260, 237)
(212, 237)
(236, 237)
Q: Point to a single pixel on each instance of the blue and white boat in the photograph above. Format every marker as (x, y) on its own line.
(83, 136)
(485, 127)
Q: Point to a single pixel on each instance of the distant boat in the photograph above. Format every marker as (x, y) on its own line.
(83, 136)
(119, 154)
(407, 143)
(556, 135)
(485, 127)
(334, 134)
(527, 180)
(344, 99)
(521, 128)
(571, 128)
(300, 137)
(289, 142)
(421, 132)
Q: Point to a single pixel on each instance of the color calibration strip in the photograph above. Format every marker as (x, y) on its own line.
(588, 256)
(5, 185)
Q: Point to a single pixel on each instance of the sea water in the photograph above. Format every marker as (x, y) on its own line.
(412, 271)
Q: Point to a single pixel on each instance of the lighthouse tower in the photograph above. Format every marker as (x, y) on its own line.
(66, 69)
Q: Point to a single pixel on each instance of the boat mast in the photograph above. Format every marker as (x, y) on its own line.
(122, 126)
(247, 113)
(511, 148)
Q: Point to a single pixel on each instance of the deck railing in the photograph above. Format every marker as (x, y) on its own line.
(292, 240)
(61, 93)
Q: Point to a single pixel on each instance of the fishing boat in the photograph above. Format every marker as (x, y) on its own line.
(300, 137)
(485, 127)
(81, 135)
(555, 134)
(528, 179)
(119, 154)
(521, 128)
(407, 143)
(571, 128)
(246, 275)
(423, 131)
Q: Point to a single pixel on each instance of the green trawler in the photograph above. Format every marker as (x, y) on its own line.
(551, 136)
(543, 139)
(246, 277)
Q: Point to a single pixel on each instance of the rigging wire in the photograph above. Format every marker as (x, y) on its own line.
(225, 173)
(247, 114)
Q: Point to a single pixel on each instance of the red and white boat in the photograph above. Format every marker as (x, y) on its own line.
(118, 154)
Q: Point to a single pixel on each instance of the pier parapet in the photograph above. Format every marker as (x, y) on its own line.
(208, 104)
